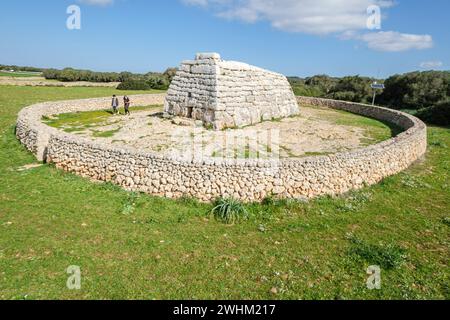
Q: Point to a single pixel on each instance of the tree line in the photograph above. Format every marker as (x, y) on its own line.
(19, 68)
(128, 80)
(424, 94)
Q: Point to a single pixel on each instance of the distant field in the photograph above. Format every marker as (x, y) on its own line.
(131, 245)
(19, 74)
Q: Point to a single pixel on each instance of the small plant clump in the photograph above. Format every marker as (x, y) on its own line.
(129, 204)
(229, 210)
(388, 256)
(446, 221)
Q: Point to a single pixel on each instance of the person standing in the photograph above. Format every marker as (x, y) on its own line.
(115, 104)
(126, 103)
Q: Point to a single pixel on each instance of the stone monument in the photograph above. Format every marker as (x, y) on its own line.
(228, 94)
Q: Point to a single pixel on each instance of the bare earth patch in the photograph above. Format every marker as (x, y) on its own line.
(30, 166)
(316, 131)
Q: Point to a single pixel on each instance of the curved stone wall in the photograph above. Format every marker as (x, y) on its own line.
(207, 179)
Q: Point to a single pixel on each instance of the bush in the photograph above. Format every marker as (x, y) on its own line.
(305, 91)
(125, 76)
(134, 85)
(354, 89)
(416, 90)
(170, 73)
(50, 74)
(229, 210)
(323, 83)
(438, 114)
(158, 82)
(301, 88)
(68, 75)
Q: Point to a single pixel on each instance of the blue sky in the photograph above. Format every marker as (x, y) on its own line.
(294, 37)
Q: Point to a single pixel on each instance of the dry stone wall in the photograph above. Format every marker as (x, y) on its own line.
(227, 94)
(35, 135)
(206, 179)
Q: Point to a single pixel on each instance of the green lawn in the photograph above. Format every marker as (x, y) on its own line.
(136, 246)
(81, 121)
(376, 130)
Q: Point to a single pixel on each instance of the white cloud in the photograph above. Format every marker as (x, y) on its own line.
(201, 3)
(431, 65)
(391, 41)
(344, 18)
(97, 2)
(308, 16)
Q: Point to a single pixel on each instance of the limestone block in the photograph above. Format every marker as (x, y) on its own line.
(244, 91)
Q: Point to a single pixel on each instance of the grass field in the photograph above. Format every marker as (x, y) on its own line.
(19, 74)
(376, 131)
(136, 246)
(81, 121)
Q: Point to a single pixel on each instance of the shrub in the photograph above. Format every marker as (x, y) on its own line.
(158, 82)
(305, 91)
(229, 210)
(438, 114)
(134, 85)
(68, 75)
(50, 74)
(355, 89)
(416, 90)
(170, 73)
(125, 76)
(323, 83)
(301, 88)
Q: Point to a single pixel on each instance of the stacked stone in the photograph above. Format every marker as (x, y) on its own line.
(209, 178)
(34, 134)
(228, 94)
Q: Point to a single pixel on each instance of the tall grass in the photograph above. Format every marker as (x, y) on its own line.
(229, 210)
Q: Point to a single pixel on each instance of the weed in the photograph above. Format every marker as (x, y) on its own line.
(229, 210)
(388, 256)
(446, 221)
(105, 134)
(438, 144)
(413, 182)
(129, 205)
